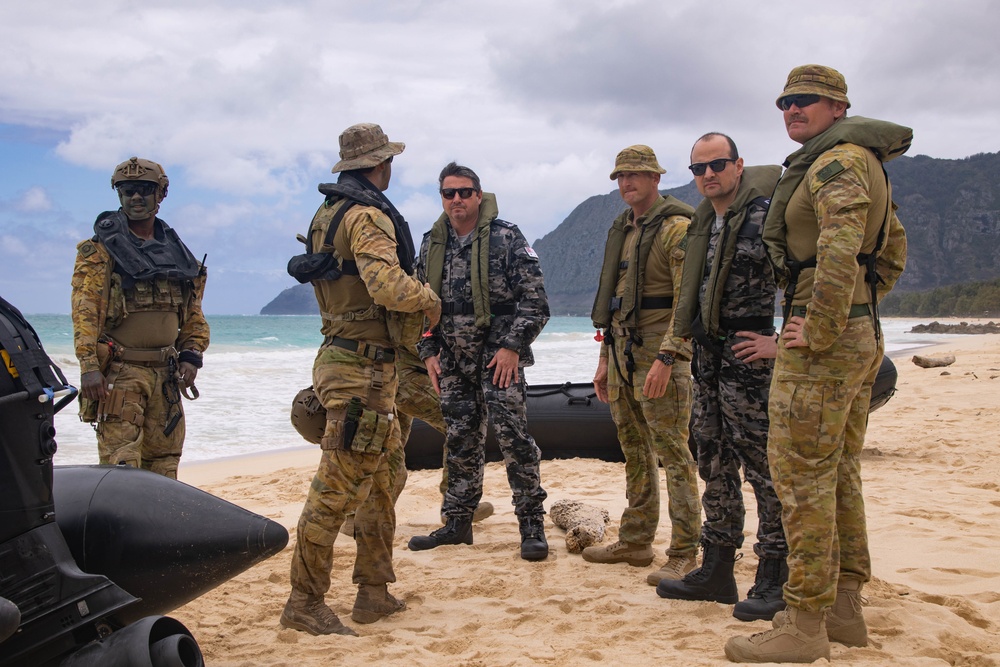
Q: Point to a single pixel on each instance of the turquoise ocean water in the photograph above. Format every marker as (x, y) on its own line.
(257, 363)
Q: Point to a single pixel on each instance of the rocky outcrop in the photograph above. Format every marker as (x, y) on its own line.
(960, 328)
(584, 524)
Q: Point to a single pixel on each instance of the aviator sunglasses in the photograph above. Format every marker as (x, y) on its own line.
(698, 168)
(464, 193)
(143, 188)
(801, 101)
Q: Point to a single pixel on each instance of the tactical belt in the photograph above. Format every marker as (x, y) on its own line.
(466, 308)
(147, 357)
(373, 352)
(746, 323)
(646, 303)
(857, 310)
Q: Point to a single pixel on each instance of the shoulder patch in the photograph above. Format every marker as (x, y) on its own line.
(683, 245)
(530, 252)
(504, 223)
(87, 248)
(829, 171)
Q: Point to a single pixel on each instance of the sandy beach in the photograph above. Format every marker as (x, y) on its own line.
(932, 486)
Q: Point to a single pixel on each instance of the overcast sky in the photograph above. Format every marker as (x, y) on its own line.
(242, 102)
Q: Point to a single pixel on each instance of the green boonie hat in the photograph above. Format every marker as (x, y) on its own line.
(815, 80)
(364, 146)
(636, 158)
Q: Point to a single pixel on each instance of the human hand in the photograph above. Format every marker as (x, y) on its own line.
(656, 380)
(792, 332)
(504, 363)
(433, 366)
(601, 380)
(93, 386)
(756, 346)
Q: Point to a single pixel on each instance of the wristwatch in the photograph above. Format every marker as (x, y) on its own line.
(666, 358)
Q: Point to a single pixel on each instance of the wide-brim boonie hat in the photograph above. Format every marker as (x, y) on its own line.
(636, 158)
(815, 80)
(364, 146)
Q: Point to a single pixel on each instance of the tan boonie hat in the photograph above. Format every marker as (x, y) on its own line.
(636, 158)
(815, 80)
(364, 146)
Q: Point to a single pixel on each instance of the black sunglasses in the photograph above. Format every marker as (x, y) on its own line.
(143, 188)
(801, 101)
(698, 168)
(464, 193)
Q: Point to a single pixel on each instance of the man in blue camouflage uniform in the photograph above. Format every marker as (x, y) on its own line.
(838, 248)
(727, 305)
(493, 308)
(644, 370)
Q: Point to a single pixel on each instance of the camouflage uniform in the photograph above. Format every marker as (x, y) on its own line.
(119, 326)
(468, 395)
(357, 479)
(655, 431)
(729, 291)
(820, 393)
(414, 398)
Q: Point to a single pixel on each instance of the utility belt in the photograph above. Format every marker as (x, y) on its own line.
(467, 308)
(373, 352)
(857, 310)
(726, 325)
(645, 303)
(152, 357)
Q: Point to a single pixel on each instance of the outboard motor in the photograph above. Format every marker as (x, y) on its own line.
(62, 615)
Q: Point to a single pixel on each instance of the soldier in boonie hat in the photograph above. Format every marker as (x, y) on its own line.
(364, 146)
(636, 158)
(815, 80)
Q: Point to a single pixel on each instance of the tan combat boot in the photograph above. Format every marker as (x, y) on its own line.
(845, 624)
(373, 603)
(639, 555)
(675, 569)
(308, 613)
(800, 638)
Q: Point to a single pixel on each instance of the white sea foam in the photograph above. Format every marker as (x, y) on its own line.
(247, 388)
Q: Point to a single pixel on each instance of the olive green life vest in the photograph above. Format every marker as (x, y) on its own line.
(886, 140)
(488, 212)
(756, 182)
(635, 273)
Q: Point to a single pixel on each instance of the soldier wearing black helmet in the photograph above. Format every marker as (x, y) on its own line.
(138, 326)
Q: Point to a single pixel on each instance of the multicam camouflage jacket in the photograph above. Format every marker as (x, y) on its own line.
(515, 285)
(100, 303)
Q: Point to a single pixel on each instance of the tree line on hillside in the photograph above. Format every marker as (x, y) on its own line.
(978, 299)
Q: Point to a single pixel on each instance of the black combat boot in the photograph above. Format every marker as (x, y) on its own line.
(764, 599)
(712, 581)
(457, 530)
(533, 543)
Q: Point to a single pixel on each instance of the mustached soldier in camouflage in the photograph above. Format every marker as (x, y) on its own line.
(355, 378)
(727, 306)
(494, 306)
(832, 218)
(644, 370)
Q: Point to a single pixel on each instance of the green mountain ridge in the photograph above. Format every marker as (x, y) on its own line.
(950, 209)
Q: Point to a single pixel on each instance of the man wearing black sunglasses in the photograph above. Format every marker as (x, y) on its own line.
(838, 248)
(493, 307)
(137, 325)
(727, 306)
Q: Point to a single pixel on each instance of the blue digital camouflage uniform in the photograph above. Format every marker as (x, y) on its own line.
(820, 394)
(728, 291)
(468, 395)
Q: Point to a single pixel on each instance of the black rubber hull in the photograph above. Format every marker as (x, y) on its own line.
(567, 421)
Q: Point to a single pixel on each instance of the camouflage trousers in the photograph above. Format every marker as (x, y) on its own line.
(134, 433)
(468, 399)
(652, 431)
(729, 427)
(819, 414)
(415, 398)
(349, 481)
